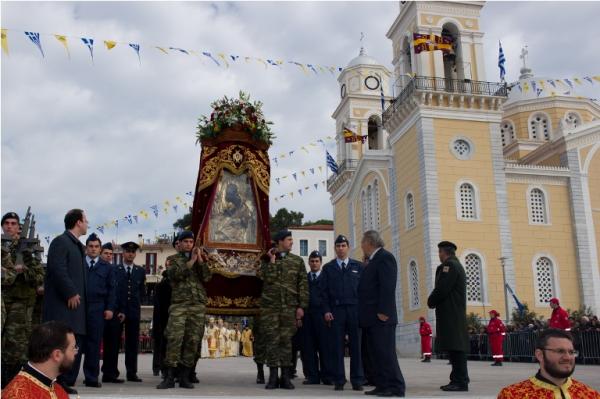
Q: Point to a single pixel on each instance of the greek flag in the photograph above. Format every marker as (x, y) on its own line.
(89, 43)
(331, 162)
(35, 39)
(501, 61)
(136, 48)
(520, 306)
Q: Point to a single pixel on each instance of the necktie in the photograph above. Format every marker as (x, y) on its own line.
(92, 263)
(314, 276)
(343, 265)
(128, 271)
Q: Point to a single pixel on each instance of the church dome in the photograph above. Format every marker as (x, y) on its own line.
(362, 59)
(530, 87)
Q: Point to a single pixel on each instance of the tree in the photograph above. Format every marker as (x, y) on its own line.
(320, 221)
(526, 317)
(284, 219)
(473, 322)
(183, 223)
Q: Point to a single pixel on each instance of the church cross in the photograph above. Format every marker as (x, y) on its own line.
(523, 56)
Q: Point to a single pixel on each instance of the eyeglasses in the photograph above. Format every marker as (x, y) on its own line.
(562, 352)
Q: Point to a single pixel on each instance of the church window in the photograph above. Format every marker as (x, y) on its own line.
(507, 130)
(369, 208)
(414, 284)
(544, 280)
(537, 207)
(375, 209)
(539, 127)
(461, 148)
(572, 120)
(364, 211)
(474, 272)
(467, 202)
(410, 211)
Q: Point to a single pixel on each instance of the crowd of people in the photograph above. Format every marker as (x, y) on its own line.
(345, 302)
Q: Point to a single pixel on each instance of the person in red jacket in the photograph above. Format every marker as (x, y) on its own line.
(425, 332)
(496, 332)
(560, 317)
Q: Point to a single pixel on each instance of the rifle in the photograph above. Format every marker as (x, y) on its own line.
(28, 242)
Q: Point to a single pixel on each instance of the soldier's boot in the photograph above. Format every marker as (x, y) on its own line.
(272, 384)
(194, 377)
(286, 381)
(184, 378)
(168, 380)
(260, 373)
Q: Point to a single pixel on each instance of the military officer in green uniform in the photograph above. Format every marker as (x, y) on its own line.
(258, 347)
(284, 295)
(188, 272)
(19, 295)
(449, 299)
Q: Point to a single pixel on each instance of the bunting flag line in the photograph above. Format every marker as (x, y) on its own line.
(63, 40)
(136, 48)
(5, 41)
(35, 39)
(300, 191)
(110, 44)
(562, 86)
(90, 45)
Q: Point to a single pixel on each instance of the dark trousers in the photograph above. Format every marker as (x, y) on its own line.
(382, 345)
(367, 358)
(132, 343)
(95, 329)
(297, 347)
(160, 349)
(314, 357)
(112, 343)
(459, 374)
(345, 322)
(70, 377)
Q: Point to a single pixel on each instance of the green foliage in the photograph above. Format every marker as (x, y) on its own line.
(230, 112)
(320, 221)
(183, 223)
(528, 317)
(284, 219)
(579, 313)
(473, 322)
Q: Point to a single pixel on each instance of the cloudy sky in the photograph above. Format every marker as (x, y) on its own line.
(115, 137)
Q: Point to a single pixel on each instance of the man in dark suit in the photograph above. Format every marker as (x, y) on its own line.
(340, 306)
(449, 299)
(101, 300)
(131, 280)
(377, 315)
(314, 355)
(65, 284)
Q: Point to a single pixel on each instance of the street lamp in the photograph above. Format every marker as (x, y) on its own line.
(502, 263)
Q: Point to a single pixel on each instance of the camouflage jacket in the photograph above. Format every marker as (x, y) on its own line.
(284, 283)
(24, 284)
(187, 283)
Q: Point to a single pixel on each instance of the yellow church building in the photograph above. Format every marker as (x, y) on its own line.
(509, 173)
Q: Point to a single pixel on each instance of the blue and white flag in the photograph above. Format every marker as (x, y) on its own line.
(90, 45)
(331, 162)
(501, 61)
(136, 48)
(35, 39)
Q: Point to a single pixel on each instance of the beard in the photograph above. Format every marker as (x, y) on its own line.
(65, 366)
(555, 371)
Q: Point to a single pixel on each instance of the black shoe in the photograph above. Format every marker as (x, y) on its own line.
(273, 383)
(456, 388)
(326, 382)
(357, 387)
(444, 386)
(372, 392)
(113, 380)
(194, 378)
(497, 364)
(134, 378)
(184, 378)
(260, 373)
(286, 382)
(92, 384)
(156, 373)
(426, 360)
(338, 387)
(308, 382)
(69, 390)
(168, 381)
(389, 394)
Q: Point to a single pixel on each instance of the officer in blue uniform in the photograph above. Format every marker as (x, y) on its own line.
(131, 280)
(101, 305)
(340, 306)
(314, 353)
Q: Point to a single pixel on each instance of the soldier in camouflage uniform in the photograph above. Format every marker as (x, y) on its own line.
(19, 299)
(259, 351)
(284, 294)
(188, 272)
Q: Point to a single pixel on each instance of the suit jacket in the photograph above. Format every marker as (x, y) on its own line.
(377, 290)
(315, 301)
(66, 276)
(102, 286)
(449, 298)
(340, 287)
(130, 291)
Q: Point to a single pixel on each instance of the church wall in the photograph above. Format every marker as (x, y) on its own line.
(341, 222)
(384, 225)
(521, 119)
(479, 236)
(554, 240)
(554, 160)
(594, 186)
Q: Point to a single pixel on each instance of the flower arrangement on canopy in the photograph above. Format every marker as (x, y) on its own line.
(236, 112)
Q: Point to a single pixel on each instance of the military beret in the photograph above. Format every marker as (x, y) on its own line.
(282, 235)
(342, 238)
(185, 234)
(130, 246)
(447, 244)
(554, 301)
(315, 254)
(108, 245)
(10, 215)
(93, 237)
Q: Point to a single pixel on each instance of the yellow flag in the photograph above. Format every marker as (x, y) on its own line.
(222, 56)
(577, 80)
(262, 61)
(110, 44)
(163, 50)
(4, 41)
(596, 78)
(63, 40)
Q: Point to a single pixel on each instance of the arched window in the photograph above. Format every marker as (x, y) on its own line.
(507, 130)
(375, 140)
(538, 211)
(539, 126)
(363, 200)
(467, 202)
(572, 120)
(406, 56)
(410, 211)
(413, 271)
(544, 280)
(369, 208)
(452, 69)
(375, 209)
(474, 272)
